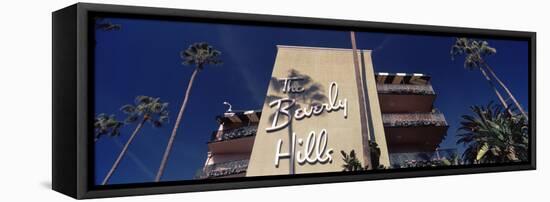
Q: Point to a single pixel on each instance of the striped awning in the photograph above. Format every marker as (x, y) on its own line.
(240, 116)
(401, 78)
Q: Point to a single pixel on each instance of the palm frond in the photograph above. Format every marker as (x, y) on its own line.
(152, 109)
(473, 50)
(106, 125)
(491, 135)
(200, 54)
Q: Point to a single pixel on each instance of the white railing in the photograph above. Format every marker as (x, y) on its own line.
(414, 119)
(405, 89)
(222, 169)
(230, 134)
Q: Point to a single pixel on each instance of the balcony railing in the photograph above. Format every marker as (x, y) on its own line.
(414, 119)
(222, 169)
(235, 133)
(424, 159)
(405, 89)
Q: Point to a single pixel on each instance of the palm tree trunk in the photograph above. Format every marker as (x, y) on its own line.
(507, 90)
(176, 125)
(123, 152)
(291, 150)
(496, 91)
(362, 105)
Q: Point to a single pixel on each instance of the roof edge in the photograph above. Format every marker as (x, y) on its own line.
(318, 48)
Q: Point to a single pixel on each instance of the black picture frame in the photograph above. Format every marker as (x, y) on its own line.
(72, 165)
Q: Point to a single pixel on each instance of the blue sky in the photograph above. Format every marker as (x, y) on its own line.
(142, 58)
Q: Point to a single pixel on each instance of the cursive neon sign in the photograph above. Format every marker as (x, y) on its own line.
(315, 146)
(283, 105)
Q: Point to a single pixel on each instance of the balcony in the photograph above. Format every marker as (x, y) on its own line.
(405, 89)
(413, 119)
(236, 140)
(414, 132)
(225, 169)
(235, 133)
(405, 98)
(423, 159)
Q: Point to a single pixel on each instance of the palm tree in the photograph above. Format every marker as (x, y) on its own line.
(351, 163)
(493, 136)
(199, 55)
(375, 155)
(106, 125)
(363, 100)
(105, 25)
(102, 24)
(475, 51)
(145, 109)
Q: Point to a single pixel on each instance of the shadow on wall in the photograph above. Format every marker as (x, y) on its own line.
(299, 87)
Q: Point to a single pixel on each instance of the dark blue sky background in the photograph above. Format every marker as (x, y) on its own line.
(142, 58)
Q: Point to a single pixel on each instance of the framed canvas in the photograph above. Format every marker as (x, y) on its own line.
(155, 100)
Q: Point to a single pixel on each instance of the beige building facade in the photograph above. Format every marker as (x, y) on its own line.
(312, 113)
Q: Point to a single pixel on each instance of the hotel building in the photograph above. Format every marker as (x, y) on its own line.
(411, 123)
(230, 146)
(398, 114)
